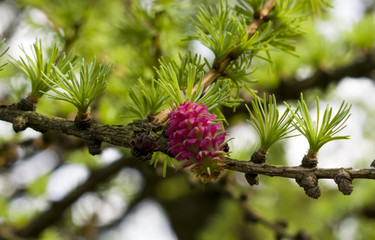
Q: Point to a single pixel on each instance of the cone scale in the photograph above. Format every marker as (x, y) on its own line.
(196, 141)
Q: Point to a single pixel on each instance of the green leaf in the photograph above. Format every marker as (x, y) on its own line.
(319, 133)
(270, 126)
(37, 66)
(166, 161)
(147, 100)
(179, 79)
(221, 30)
(80, 90)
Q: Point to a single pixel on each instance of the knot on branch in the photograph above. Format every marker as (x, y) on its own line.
(83, 121)
(309, 182)
(153, 124)
(258, 157)
(144, 145)
(146, 140)
(344, 182)
(20, 123)
(94, 146)
(309, 161)
(28, 104)
(252, 179)
(256, 15)
(267, 18)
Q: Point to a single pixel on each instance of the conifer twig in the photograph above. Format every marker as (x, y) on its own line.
(218, 68)
(144, 137)
(297, 171)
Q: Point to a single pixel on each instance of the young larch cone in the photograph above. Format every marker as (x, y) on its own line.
(197, 141)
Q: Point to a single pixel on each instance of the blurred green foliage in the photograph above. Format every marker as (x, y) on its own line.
(133, 35)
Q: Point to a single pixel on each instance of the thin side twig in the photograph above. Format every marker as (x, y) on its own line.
(218, 68)
(295, 172)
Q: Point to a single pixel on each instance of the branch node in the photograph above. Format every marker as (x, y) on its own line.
(256, 15)
(252, 179)
(258, 157)
(267, 18)
(28, 104)
(344, 182)
(155, 126)
(216, 65)
(83, 121)
(143, 146)
(309, 161)
(94, 146)
(309, 182)
(20, 123)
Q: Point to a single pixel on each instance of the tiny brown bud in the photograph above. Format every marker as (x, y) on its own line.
(256, 15)
(83, 121)
(267, 18)
(28, 104)
(143, 146)
(20, 123)
(309, 161)
(94, 146)
(258, 157)
(252, 179)
(313, 192)
(309, 182)
(344, 182)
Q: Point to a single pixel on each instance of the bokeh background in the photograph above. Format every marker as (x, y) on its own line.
(334, 60)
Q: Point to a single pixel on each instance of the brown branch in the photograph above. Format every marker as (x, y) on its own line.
(143, 139)
(219, 67)
(140, 136)
(307, 178)
(290, 88)
(57, 209)
(259, 18)
(295, 172)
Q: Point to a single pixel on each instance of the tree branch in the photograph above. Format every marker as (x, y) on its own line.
(143, 139)
(307, 178)
(295, 172)
(291, 88)
(219, 67)
(140, 136)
